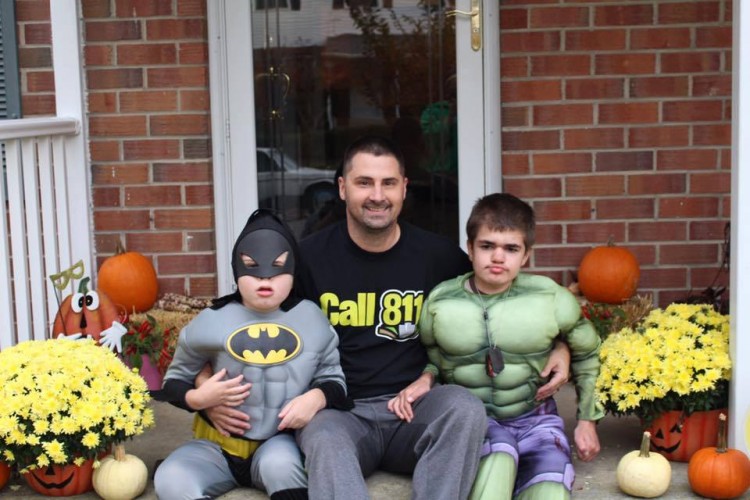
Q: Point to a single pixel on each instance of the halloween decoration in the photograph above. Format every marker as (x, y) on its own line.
(4, 474)
(678, 436)
(643, 474)
(129, 279)
(120, 476)
(61, 480)
(719, 472)
(608, 274)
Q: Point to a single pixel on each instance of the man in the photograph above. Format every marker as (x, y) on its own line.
(370, 274)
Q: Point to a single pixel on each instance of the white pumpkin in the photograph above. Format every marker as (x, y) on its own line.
(120, 476)
(643, 474)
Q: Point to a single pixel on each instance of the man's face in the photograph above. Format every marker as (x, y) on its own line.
(374, 190)
(497, 258)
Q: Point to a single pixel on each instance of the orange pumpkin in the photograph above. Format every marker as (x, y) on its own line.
(129, 279)
(719, 472)
(608, 274)
(61, 480)
(4, 474)
(86, 312)
(678, 436)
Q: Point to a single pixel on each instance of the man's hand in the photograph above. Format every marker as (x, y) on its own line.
(401, 403)
(558, 365)
(587, 441)
(216, 391)
(298, 412)
(227, 420)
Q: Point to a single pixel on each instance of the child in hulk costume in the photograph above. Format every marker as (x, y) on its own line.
(492, 330)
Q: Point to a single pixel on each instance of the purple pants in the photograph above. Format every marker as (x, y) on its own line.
(537, 443)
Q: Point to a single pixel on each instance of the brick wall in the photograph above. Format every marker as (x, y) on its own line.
(616, 123)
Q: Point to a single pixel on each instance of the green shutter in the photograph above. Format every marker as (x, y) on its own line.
(10, 95)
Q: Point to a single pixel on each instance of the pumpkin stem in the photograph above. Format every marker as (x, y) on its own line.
(611, 240)
(120, 249)
(83, 286)
(119, 452)
(721, 445)
(645, 444)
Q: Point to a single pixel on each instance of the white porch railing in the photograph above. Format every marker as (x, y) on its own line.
(43, 202)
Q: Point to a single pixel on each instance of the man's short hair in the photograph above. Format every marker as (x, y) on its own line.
(502, 212)
(376, 146)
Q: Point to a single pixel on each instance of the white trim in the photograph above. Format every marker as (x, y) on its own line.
(739, 275)
(34, 127)
(493, 177)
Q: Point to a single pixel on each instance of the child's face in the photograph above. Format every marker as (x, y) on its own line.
(497, 257)
(265, 294)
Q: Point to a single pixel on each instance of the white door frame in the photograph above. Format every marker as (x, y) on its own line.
(233, 124)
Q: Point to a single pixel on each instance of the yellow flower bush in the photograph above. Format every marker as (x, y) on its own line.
(66, 401)
(675, 359)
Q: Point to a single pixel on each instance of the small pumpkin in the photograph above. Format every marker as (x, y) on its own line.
(4, 474)
(719, 471)
(120, 476)
(88, 312)
(61, 480)
(644, 474)
(608, 274)
(130, 280)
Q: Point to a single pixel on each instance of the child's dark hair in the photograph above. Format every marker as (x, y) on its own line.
(502, 212)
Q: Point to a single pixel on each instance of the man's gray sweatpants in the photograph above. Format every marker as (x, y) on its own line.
(440, 446)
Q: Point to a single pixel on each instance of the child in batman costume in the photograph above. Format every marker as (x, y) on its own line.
(492, 331)
(260, 338)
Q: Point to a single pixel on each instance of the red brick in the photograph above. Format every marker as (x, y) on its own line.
(713, 36)
(594, 88)
(515, 164)
(104, 150)
(568, 257)
(660, 86)
(530, 41)
(95, 8)
(561, 65)
(531, 140)
(725, 161)
(701, 278)
(693, 110)
(563, 114)
(625, 208)
(192, 218)
(34, 57)
(712, 135)
(688, 12)
(548, 234)
(562, 163)
(708, 230)
(196, 149)
(659, 136)
(663, 278)
(202, 286)
(154, 242)
(146, 54)
(657, 231)
(178, 77)
(593, 138)
(563, 210)
(151, 196)
(199, 195)
(514, 116)
(182, 124)
(688, 206)
(644, 254)
(712, 85)
(102, 102)
(117, 125)
(595, 40)
(619, 161)
(38, 105)
(186, 264)
(106, 197)
(563, 17)
(114, 78)
(513, 19)
(112, 31)
(182, 172)
(596, 232)
(536, 187)
(514, 67)
(660, 38)
(623, 15)
(121, 220)
(657, 184)
(143, 8)
(187, 8)
(156, 100)
(687, 159)
(628, 112)
(151, 149)
(194, 100)
(594, 185)
(32, 10)
(537, 90)
(176, 29)
(200, 241)
(624, 64)
(40, 81)
(715, 182)
(193, 53)
(690, 62)
(688, 254)
(117, 174)
(98, 55)
(37, 34)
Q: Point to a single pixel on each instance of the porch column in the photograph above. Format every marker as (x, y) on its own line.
(739, 277)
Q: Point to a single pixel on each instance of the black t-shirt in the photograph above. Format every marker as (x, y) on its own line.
(373, 300)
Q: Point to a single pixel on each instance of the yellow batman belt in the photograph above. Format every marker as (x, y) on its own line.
(242, 448)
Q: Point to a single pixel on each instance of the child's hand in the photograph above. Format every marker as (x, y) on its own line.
(587, 441)
(215, 391)
(298, 412)
(558, 365)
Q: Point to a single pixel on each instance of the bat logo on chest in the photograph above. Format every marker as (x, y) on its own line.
(264, 344)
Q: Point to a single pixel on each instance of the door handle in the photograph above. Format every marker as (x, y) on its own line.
(476, 22)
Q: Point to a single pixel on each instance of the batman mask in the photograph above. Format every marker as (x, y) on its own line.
(264, 246)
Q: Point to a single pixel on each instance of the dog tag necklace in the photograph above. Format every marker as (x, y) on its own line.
(494, 362)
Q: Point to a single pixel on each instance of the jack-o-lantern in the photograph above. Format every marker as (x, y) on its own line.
(61, 480)
(88, 312)
(4, 474)
(678, 437)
